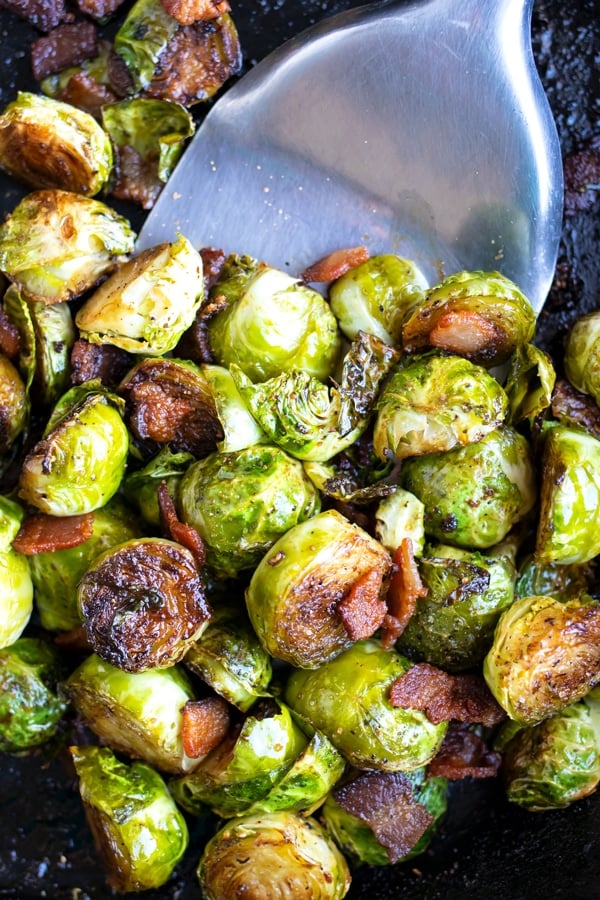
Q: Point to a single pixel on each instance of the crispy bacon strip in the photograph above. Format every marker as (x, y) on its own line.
(464, 754)
(463, 331)
(189, 11)
(464, 697)
(176, 530)
(404, 590)
(40, 533)
(362, 611)
(103, 361)
(204, 725)
(335, 265)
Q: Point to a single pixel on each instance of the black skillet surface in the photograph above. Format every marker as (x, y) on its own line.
(485, 848)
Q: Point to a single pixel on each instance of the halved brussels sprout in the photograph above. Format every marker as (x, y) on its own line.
(139, 833)
(140, 486)
(30, 706)
(16, 588)
(347, 699)
(474, 495)
(55, 245)
(564, 582)
(529, 383)
(14, 406)
(281, 849)
(241, 502)
(45, 143)
(147, 304)
(582, 355)
(400, 515)
(434, 402)
(295, 590)
(240, 428)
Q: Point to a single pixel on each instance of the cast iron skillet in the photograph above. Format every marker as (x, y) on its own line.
(485, 846)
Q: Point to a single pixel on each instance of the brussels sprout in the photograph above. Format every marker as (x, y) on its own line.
(142, 38)
(555, 763)
(281, 849)
(135, 713)
(545, 656)
(230, 658)
(56, 244)
(143, 603)
(140, 487)
(139, 833)
(377, 296)
(55, 574)
(246, 765)
(452, 627)
(16, 588)
(272, 324)
(45, 143)
(433, 403)
(570, 497)
(147, 304)
(79, 463)
(582, 355)
(529, 383)
(295, 590)
(560, 581)
(400, 515)
(481, 315)
(473, 495)
(240, 428)
(30, 708)
(241, 502)
(347, 699)
(379, 818)
(13, 405)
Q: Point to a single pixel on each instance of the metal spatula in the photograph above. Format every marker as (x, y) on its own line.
(418, 128)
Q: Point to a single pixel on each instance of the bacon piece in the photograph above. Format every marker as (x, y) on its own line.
(568, 402)
(99, 9)
(404, 590)
(84, 92)
(135, 178)
(212, 263)
(464, 754)
(582, 176)
(335, 265)
(102, 361)
(65, 46)
(465, 332)
(40, 533)
(74, 641)
(177, 530)
(189, 11)
(42, 14)
(361, 610)
(442, 696)
(205, 724)
(10, 339)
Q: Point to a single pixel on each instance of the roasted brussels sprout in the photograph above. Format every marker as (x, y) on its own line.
(529, 383)
(347, 699)
(281, 849)
(45, 143)
(582, 355)
(545, 656)
(294, 594)
(400, 515)
(241, 502)
(30, 706)
(139, 833)
(141, 485)
(474, 495)
(13, 405)
(240, 428)
(143, 604)
(55, 245)
(564, 582)
(432, 403)
(16, 588)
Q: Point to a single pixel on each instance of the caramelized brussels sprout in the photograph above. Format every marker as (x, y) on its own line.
(140, 486)
(347, 699)
(241, 502)
(545, 656)
(16, 588)
(143, 604)
(55, 245)
(240, 428)
(400, 515)
(474, 495)
(295, 590)
(30, 706)
(529, 383)
(582, 355)
(45, 143)
(139, 833)
(147, 304)
(281, 849)
(432, 403)
(564, 582)
(13, 405)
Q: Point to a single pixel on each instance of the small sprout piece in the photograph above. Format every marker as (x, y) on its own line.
(483, 316)
(143, 604)
(281, 849)
(140, 486)
(45, 143)
(377, 297)
(398, 516)
(582, 355)
(30, 708)
(241, 502)
(529, 383)
(139, 833)
(348, 700)
(473, 495)
(147, 304)
(13, 405)
(240, 428)
(16, 588)
(296, 590)
(433, 403)
(545, 656)
(56, 244)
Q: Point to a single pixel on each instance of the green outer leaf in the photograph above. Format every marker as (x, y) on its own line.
(142, 38)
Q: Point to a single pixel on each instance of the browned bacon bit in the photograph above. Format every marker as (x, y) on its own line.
(135, 178)
(87, 94)
(98, 361)
(212, 263)
(464, 697)
(463, 331)
(63, 47)
(582, 177)
(176, 530)
(42, 14)
(40, 533)
(404, 590)
(568, 402)
(74, 641)
(335, 265)
(361, 610)
(189, 11)
(204, 725)
(464, 754)
(10, 339)
(99, 9)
